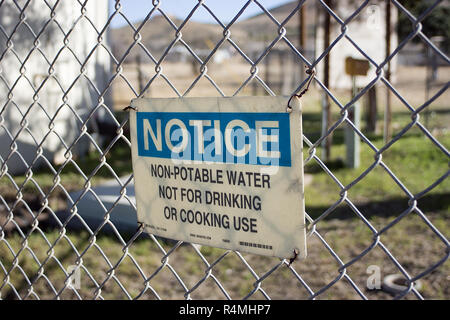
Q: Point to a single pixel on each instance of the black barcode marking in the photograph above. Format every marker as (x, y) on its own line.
(255, 245)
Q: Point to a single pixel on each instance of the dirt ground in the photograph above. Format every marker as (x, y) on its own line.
(411, 242)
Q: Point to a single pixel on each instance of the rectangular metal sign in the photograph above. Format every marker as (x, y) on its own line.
(223, 172)
(356, 67)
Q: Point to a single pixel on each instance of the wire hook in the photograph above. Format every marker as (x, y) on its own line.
(291, 260)
(311, 73)
(129, 107)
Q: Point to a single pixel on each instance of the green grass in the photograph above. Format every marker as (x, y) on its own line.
(413, 160)
(75, 177)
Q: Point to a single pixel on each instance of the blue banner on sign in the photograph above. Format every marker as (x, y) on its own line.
(242, 138)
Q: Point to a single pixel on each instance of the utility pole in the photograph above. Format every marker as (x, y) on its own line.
(326, 105)
(139, 73)
(267, 69)
(387, 132)
(302, 38)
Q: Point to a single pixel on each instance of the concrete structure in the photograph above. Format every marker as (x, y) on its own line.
(68, 111)
(123, 215)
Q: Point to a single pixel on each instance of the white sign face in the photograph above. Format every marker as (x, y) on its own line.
(222, 172)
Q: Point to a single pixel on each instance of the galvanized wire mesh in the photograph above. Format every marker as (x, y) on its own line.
(11, 99)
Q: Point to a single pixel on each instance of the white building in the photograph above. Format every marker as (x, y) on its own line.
(367, 30)
(25, 66)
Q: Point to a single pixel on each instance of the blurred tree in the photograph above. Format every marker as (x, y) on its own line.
(436, 23)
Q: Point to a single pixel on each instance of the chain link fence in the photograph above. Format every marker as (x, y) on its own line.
(58, 70)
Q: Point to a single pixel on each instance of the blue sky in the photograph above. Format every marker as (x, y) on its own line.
(225, 10)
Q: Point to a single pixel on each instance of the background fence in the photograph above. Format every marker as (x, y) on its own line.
(64, 80)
